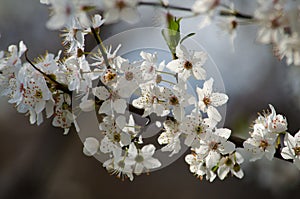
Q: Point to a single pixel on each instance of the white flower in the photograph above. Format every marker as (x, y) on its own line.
(112, 100)
(188, 64)
(231, 163)
(142, 158)
(179, 99)
(90, 146)
(195, 128)
(170, 137)
(262, 143)
(289, 47)
(48, 64)
(208, 101)
(206, 7)
(63, 117)
(131, 76)
(112, 130)
(65, 11)
(229, 26)
(272, 21)
(292, 148)
(276, 122)
(198, 167)
(118, 165)
(152, 100)
(72, 73)
(150, 67)
(213, 145)
(120, 9)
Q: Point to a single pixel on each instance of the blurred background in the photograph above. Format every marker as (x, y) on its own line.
(42, 163)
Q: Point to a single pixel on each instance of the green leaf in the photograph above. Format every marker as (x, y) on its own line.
(172, 34)
(186, 37)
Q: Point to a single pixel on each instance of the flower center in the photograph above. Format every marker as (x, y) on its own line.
(233, 24)
(38, 94)
(206, 101)
(117, 137)
(109, 76)
(199, 130)
(263, 144)
(228, 162)
(139, 159)
(188, 65)
(174, 100)
(213, 146)
(120, 5)
(129, 76)
(297, 150)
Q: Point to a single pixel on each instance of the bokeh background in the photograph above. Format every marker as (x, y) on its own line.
(41, 163)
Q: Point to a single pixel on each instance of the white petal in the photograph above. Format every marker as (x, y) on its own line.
(287, 153)
(223, 132)
(151, 163)
(175, 65)
(101, 92)
(212, 159)
(120, 106)
(218, 99)
(106, 107)
(87, 105)
(130, 15)
(214, 114)
(199, 73)
(228, 147)
(138, 168)
(132, 151)
(223, 171)
(57, 21)
(207, 87)
(148, 150)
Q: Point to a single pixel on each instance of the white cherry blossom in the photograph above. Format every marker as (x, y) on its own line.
(118, 165)
(64, 12)
(170, 137)
(291, 151)
(198, 167)
(262, 143)
(152, 100)
(188, 63)
(231, 163)
(120, 9)
(214, 145)
(142, 158)
(209, 100)
(90, 146)
(112, 101)
(276, 122)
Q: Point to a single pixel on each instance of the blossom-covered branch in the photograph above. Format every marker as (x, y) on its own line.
(129, 94)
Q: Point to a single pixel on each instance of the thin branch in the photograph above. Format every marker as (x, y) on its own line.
(155, 4)
(101, 47)
(222, 13)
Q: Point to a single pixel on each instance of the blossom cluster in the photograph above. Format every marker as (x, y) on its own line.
(127, 91)
(265, 139)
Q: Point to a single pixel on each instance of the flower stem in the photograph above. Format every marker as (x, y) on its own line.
(167, 73)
